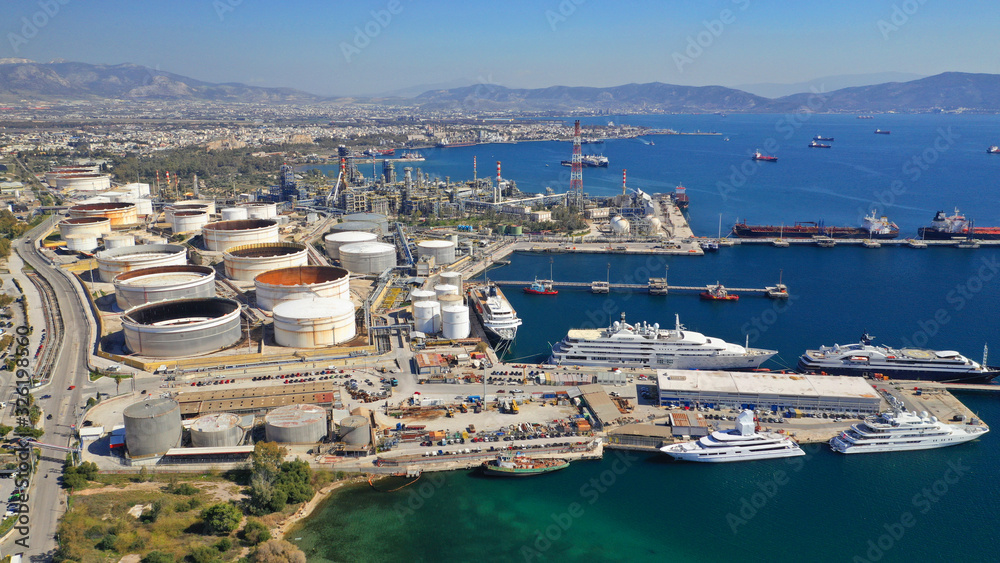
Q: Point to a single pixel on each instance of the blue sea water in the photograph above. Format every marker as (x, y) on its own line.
(932, 505)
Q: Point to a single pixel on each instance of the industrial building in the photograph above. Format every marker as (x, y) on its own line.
(257, 400)
(768, 391)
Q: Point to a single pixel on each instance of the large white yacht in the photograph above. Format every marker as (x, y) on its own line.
(498, 317)
(903, 430)
(647, 346)
(743, 443)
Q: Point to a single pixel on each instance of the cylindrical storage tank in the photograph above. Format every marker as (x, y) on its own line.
(152, 427)
(81, 242)
(175, 208)
(162, 283)
(119, 213)
(296, 424)
(182, 327)
(446, 300)
(314, 323)
(118, 240)
(234, 213)
(360, 226)
(443, 251)
(451, 278)
(187, 221)
(381, 220)
(418, 295)
(96, 226)
(115, 196)
(367, 257)
(219, 430)
(445, 289)
(427, 317)
(248, 261)
(97, 182)
(455, 322)
(143, 207)
(516, 230)
(223, 235)
(356, 430)
(115, 261)
(288, 284)
(334, 241)
(454, 240)
(312, 217)
(208, 203)
(262, 210)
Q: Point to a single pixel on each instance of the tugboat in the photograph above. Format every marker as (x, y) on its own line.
(757, 155)
(718, 293)
(520, 465)
(818, 145)
(993, 150)
(541, 287)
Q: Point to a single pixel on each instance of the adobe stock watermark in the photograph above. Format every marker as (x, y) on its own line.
(697, 43)
(590, 492)
(563, 11)
(913, 168)
(33, 24)
(765, 491)
(959, 297)
(223, 7)
(759, 324)
(899, 17)
(364, 35)
(417, 496)
(923, 501)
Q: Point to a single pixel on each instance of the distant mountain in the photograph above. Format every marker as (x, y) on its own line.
(22, 79)
(948, 91)
(826, 83)
(654, 96)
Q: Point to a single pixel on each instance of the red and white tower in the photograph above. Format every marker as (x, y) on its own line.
(576, 168)
(498, 193)
(623, 181)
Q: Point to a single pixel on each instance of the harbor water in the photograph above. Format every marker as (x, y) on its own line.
(927, 505)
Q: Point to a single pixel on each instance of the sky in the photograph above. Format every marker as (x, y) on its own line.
(375, 46)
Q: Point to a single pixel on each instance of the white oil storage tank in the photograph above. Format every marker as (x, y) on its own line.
(418, 295)
(161, 283)
(217, 430)
(381, 220)
(619, 225)
(247, 261)
(443, 251)
(355, 430)
(446, 300)
(359, 226)
(118, 240)
(96, 226)
(451, 278)
(182, 327)
(302, 282)
(427, 317)
(181, 206)
(314, 323)
(143, 207)
(367, 257)
(445, 289)
(455, 321)
(234, 213)
(152, 427)
(262, 210)
(81, 242)
(188, 221)
(115, 261)
(334, 241)
(120, 214)
(223, 235)
(209, 204)
(296, 424)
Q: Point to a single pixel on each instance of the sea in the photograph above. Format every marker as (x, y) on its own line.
(937, 505)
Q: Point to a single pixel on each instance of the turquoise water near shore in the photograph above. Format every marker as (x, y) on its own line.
(931, 505)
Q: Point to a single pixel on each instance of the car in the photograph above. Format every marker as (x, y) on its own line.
(72, 387)
(49, 417)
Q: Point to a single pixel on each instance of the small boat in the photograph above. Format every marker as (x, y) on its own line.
(993, 150)
(882, 131)
(709, 246)
(520, 465)
(818, 145)
(822, 138)
(718, 292)
(826, 242)
(766, 158)
(541, 287)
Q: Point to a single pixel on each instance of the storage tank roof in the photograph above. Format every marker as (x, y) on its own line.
(350, 236)
(313, 308)
(150, 408)
(295, 415)
(454, 309)
(215, 422)
(436, 243)
(367, 247)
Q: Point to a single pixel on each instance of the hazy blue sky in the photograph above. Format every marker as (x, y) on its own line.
(315, 45)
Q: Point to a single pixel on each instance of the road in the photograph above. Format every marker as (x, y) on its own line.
(47, 499)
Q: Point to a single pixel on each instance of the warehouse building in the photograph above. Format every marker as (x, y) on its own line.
(767, 391)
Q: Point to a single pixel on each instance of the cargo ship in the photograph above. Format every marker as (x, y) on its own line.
(590, 161)
(757, 155)
(520, 465)
(445, 144)
(380, 152)
(818, 145)
(872, 228)
(882, 131)
(822, 138)
(681, 198)
(944, 227)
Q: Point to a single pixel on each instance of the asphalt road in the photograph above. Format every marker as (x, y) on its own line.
(47, 501)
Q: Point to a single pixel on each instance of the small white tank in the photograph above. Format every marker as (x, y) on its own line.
(427, 317)
(82, 242)
(451, 278)
(234, 213)
(118, 240)
(418, 295)
(455, 322)
(445, 289)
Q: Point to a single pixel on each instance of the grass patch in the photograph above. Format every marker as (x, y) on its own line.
(7, 524)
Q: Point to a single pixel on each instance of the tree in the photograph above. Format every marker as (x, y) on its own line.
(221, 518)
(204, 554)
(255, 532)
(277, 551)
(157, 557)
(4, 430)
(267, 458)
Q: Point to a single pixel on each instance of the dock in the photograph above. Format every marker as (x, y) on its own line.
(655, 286)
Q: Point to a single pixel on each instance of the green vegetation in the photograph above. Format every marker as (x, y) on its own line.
(157, 557)
(255, 532)
(4, 430)
(277, 551)
(221, 518)
(28, 431)
(76, 478)
(274, 484)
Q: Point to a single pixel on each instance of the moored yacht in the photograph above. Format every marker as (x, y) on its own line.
(903, 430)
(744, 443)
(647, 346)
(498, 317)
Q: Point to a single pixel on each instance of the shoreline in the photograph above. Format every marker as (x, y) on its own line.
(285, 525)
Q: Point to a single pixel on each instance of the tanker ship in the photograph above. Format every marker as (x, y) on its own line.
(956, 226)
(873, 227)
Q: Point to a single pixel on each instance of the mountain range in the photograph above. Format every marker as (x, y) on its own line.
(21, 79)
